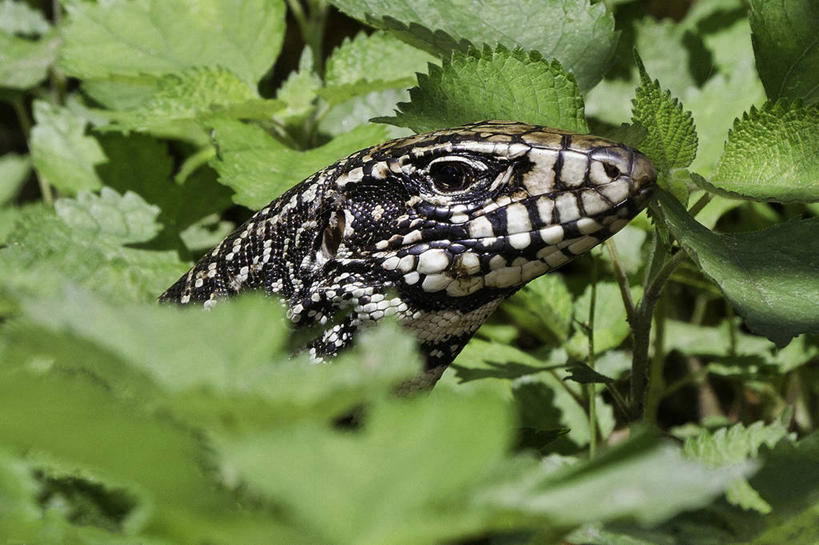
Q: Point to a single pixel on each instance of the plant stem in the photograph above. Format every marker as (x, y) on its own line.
(591, 390)
(622, 280)
(656, 383)
(659, 270)
(700, 204)
(25, 125)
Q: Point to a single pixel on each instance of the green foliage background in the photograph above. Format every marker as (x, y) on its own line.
(663, 390)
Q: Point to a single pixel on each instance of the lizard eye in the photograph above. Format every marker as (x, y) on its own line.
(611, 170)
(450, 176)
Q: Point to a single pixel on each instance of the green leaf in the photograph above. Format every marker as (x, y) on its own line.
(61, 151)
(671, 141)
(14, 171)
(422, 454)
(43, 250)
(18, 18)
(715, 106)
(785, 44)
(772, 153)
(121, 219)
(584, 374)
(144, 165)
(768, 276)
(577, 33)
(157, 37)
(193, 94)
(371, 62)
(259, 168)
(542, 399)
(500, 84)
(299, 91)
(24, 63)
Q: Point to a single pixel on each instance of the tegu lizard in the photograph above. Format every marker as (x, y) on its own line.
(435, 229)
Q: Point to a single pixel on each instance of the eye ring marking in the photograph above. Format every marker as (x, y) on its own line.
(611, 170)
(453, 174)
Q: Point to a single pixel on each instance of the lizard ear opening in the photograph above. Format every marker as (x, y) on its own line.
(333, 233)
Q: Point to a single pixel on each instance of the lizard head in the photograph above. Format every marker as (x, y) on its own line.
(456, 220)
(483, 208)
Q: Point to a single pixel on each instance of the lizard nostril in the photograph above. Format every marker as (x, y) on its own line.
(642, 171)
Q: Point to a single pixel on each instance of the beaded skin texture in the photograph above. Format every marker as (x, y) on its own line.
(435, 229)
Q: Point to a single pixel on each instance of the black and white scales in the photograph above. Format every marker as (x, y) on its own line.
(435, 229)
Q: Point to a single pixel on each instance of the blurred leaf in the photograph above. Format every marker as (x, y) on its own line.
(459, 438)
(61, 151)
(771, 155)
(24, 63)
(14, 171)
(157, 37)
(371, 62)
(635, 473)
(578, 34)
(18, 18)
(493, 84)
(768, 276)
(736, 445)
(671, 141)
(74, 422)
(259, 168)
(784, 41)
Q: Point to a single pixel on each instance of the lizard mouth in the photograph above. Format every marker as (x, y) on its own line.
(460, 259)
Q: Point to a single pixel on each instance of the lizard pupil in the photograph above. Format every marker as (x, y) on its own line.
(451, 176)
(611, 170)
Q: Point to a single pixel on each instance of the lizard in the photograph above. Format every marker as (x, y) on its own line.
(436, 229)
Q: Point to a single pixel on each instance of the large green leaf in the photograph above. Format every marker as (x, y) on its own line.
(577, 33)
(786, 47)
(157, 37)
(493, 84)
(768, 276)
(772, 153)
(400, 480)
